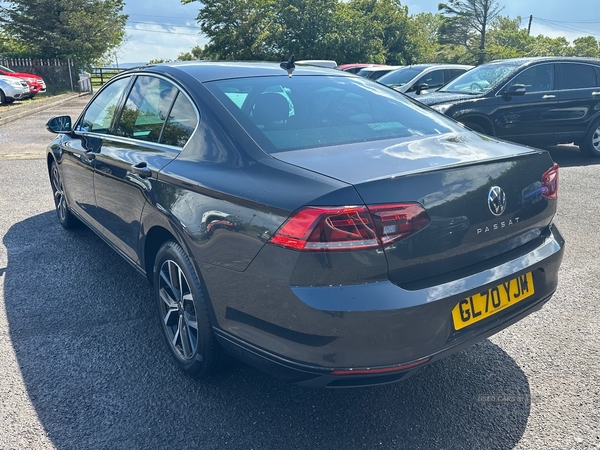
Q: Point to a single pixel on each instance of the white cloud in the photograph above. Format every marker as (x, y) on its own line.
(154, 41)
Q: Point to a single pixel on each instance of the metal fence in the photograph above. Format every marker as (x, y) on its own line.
(101, 75)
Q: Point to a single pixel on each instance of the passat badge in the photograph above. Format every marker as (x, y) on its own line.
(496, 200)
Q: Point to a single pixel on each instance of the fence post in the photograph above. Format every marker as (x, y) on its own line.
(70, 74)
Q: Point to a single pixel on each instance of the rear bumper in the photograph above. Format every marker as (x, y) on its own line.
(319, 377)
(304, 334)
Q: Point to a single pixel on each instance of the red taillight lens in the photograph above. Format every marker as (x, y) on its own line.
(314, 228)
(550, 183)
(351, 227)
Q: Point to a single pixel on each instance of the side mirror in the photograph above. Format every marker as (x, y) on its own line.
(421, 87)
(515, 89)
(60, 124)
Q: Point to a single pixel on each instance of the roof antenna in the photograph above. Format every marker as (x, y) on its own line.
(288, 65)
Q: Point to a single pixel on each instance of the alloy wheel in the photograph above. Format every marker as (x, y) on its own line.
(59, 195)
(178, 310)
(596, 140)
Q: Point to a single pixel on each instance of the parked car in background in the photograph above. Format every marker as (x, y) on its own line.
(355, 68)
(35, 82)
(321, 227)
(422, 78)
(11, 89)
(375, 72)
(537, 101)
(328, 63)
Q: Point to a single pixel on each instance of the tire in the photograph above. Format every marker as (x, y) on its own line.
(65, 217)
(183, 312)
(590, 145)
(2, 98)
(475, 127)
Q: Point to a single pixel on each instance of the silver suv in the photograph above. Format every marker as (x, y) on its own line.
(12, 89)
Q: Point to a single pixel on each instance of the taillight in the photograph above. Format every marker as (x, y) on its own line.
(397, 222)
(550, 183)
(350, 227)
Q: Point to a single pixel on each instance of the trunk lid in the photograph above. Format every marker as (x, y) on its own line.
(452, 176)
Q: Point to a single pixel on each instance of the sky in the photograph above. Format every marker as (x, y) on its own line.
(163, 29)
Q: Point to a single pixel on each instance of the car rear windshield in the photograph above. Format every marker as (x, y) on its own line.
(316, 111)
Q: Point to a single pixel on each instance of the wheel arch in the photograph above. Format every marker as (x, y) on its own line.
(483, 121)
(155, 237)
(49, 160)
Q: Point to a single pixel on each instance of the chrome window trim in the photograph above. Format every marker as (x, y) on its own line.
(137, 141)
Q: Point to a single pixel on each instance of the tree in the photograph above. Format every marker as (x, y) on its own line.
(238, 29)
(506, 39)
(387, 28)
(194, 54)
(349, 41)
(466, 24)
(547, 46)
(424, 32)
(83, 30)
(586, 46)
(301, 28)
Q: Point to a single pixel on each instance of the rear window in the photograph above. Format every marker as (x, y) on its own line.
(316, 111)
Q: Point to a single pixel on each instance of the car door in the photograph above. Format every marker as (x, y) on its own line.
(79, 150)
(579, 88)
(149, 134)
(532, 117)
(433, 79)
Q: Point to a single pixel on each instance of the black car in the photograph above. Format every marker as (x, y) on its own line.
(321, 227)
(533, 101)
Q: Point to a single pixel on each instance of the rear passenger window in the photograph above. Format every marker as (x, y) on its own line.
(577, 76)
(181, 124)
(146, 109)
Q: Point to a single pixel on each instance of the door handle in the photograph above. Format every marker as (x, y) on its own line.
(595, 93)
(90, 155)
(549, 96)
(142, 170)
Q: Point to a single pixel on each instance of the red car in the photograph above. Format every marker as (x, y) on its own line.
(354, 68)
(35, 82)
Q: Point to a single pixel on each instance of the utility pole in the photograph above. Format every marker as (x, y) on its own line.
(529, 26)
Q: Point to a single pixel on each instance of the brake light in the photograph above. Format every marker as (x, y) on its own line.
(350, 227)
(550, 183)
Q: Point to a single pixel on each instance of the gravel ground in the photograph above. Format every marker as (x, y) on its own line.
(84, 365)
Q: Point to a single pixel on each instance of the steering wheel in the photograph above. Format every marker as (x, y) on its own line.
(476, 87)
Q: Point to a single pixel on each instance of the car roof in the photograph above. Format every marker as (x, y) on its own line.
(376, 68)
(354, 65)
(442, 66)
(205, 71)
(534, 59)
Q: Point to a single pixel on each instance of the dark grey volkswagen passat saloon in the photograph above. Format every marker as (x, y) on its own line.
(319, 226)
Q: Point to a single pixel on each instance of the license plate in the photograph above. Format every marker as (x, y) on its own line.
(480, 306)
